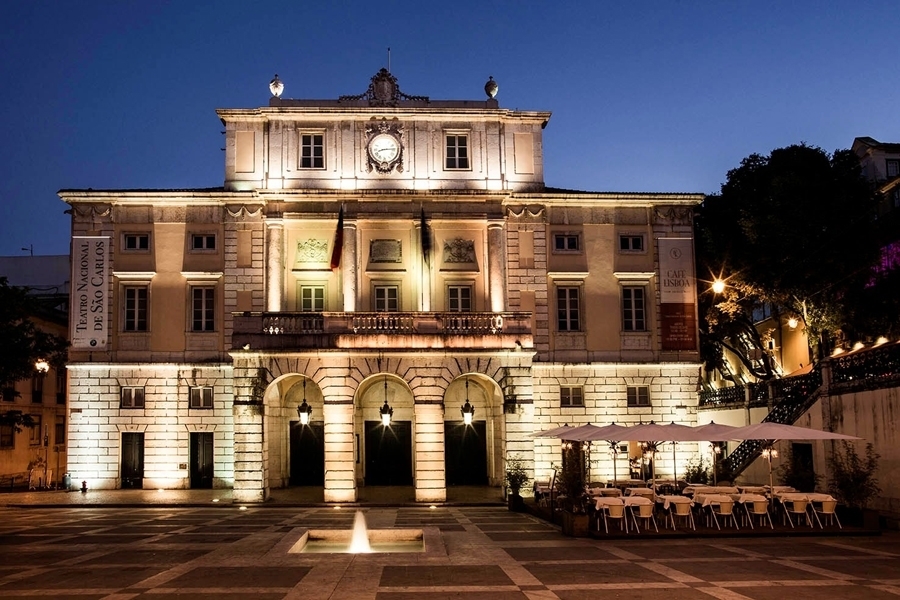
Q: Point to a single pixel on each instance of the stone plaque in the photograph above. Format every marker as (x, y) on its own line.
(385, 251)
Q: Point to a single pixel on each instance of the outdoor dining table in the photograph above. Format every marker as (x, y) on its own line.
(670, 499)
(611, 492)
(644, 492)
(602, 502)
(710, 489)
(752, 489)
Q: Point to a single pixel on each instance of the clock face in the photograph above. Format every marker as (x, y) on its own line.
(384, 148)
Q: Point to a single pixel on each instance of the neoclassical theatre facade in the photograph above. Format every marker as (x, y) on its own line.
(383, 292)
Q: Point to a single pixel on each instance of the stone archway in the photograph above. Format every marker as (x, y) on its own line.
(296, 453)
(473, 453)
(384, 453)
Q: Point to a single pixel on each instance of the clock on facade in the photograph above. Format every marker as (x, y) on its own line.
(384, 148)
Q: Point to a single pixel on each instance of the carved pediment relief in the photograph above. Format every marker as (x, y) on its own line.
(459, 252)
(311, 251)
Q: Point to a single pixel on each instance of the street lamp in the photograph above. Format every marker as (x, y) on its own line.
(467, 410)
(386, 411)
(42, 366)
(304, 411)
(718, 286)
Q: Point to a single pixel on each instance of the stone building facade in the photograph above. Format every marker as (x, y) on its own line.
(379, 253)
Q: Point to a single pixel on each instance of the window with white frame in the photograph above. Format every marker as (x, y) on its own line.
(630, 242)
(312, 151)
(136, 242)
(633, 309)
(568, 308)
(203, 242)
(456, 151)
(134, 308)
(638, 395)
(387, 298)
(566, 242)
(459, 298)
(571, 395)
(131, 397)
(201, 397)
(312, 298)
(203, 308)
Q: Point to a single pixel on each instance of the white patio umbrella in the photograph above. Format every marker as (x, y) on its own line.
(554, 432)
(779, 431)
(671, 432)
(610, 433)
(715, 432)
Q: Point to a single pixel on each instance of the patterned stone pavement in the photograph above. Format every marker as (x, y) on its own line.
(471, 552)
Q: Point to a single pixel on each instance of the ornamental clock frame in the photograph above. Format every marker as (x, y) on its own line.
(384, 146)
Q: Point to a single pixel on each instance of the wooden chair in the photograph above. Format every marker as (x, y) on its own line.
(645, 513)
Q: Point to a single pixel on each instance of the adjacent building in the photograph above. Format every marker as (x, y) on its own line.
(377, 258)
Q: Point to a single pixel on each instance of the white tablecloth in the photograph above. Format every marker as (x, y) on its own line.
(669, 500)
(639, 491)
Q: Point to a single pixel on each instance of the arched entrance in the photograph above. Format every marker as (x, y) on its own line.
(296, 450)
(472, 452)
(384, 450)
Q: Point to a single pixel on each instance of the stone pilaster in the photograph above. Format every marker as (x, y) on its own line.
(250, 460)
(348, 266)
(430, 475)
(340, 452)
(497, 265)
(274, 265)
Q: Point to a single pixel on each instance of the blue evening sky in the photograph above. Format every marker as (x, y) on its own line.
(646, 96)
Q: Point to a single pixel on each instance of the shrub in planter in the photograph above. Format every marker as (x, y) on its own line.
(853, 482)
(516, 478)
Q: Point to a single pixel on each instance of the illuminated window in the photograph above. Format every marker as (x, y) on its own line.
(136, 242)
(203, 309)
(135, 308)
(638, 395)
(312, 298)
(892, 167)
(631, 243)
(7, 436)
(633, 309)
(568, 308)
(566, 242)
(59, 435)
(570, 396)
(202, 397)
(201, 242)
(457, 151)
(131, 397)
(459, 298)
(312, 151)
(387, 298)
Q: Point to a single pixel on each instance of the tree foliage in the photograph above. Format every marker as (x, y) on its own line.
(853, 480)
(794, 230)
(22, 343)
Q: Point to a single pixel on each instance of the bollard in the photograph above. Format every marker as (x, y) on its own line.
(84, 487)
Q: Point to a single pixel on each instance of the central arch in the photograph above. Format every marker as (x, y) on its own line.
(384, 453)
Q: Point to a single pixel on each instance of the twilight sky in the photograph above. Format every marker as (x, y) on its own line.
(646, 96)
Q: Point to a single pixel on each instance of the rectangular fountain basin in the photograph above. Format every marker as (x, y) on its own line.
(380, 540)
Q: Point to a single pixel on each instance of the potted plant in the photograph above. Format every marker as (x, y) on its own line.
(516, 478)
(853, 483)
(570, 484)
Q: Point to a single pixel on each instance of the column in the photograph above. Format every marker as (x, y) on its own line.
(348, 266)
(250, 472)
(274, 264)
(497, 265)
(340, 452)
(430, 475)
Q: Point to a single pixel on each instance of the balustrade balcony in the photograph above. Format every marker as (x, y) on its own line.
(368, 330)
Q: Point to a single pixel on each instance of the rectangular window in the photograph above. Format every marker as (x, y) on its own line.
(638, 395)
(135, 308)
(312, 151)
(633, 309)
(201, 242)
(37, 388)
(7, 436)
(35, 432)
(571, 396)
(202, 397)
(892, 167)
(59, 435)
(568, 309)
(312, 298)
(566, 242)
(136, 242)
(8, 391)
(459, 298)
(203, 309)
(631, 243)
(457, 155)
(61, 386)
(131, 397)
(387, 298)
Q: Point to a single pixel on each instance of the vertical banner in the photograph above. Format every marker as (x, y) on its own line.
(90, 292)
(677, 294)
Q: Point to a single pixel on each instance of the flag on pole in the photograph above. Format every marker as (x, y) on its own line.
(426, 238)
(338, 241)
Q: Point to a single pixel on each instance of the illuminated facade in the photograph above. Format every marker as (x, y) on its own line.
(379, 249)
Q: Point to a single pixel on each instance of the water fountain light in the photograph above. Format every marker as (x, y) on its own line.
(304, 411)
(359, 540)
(467, 410)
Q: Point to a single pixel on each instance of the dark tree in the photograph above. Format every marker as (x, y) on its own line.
(794, 230)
